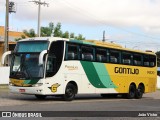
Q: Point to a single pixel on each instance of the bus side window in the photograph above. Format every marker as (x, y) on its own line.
(87, 53)
(137, 60)
(126, 58)
(114, 56)
(152, 61)
(101, 55)
(72, 52)
(146, 60)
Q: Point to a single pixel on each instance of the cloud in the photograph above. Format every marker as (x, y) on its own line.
(126, 13)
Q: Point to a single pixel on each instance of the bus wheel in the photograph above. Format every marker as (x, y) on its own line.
(132, 92)
(41, 97)
(69, 92)
(109, 95)
(139, 92)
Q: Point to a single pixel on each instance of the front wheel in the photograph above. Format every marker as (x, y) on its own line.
(109, 95)
(69, 92)
(41, 97)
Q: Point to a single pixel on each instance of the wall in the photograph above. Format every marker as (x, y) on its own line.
(4, 75)
(158, 82)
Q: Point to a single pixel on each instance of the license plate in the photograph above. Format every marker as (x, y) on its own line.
(21, 90)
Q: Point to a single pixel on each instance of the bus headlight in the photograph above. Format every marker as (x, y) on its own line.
(37, 85)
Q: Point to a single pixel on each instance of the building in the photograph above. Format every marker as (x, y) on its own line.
(12, 36)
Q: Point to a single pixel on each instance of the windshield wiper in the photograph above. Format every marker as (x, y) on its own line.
(24, 71)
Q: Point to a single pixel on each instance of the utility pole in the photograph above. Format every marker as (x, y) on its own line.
(39, 3)
(10, 7)
(103, 36)
(6, 27)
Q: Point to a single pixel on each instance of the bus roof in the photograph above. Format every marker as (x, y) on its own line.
(89, 42)
(110, 45)
(45, 38)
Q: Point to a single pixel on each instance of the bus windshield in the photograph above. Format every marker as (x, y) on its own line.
(25, 66)
(25, 60)
(31, 46)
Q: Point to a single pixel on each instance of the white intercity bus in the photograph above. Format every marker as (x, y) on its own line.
(61, 67)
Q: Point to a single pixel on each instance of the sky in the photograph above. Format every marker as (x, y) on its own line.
(133, 24)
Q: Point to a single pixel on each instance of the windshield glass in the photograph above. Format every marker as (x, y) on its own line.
(31, 46)
(25, 66)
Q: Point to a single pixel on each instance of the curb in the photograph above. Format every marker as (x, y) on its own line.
(3, 86)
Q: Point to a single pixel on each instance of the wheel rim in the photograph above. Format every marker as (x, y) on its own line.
(140, 91)
(69, 92)
(132, 92)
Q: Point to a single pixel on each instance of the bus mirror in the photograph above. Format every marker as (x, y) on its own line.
(41, 56)
(4, 56)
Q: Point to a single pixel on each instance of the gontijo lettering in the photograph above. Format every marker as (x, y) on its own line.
(123, 70)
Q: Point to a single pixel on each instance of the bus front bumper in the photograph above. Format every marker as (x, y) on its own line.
(27, 90)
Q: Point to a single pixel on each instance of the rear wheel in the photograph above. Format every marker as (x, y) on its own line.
(69, 92)
(132, 92)
(139, 92)
(41, 97)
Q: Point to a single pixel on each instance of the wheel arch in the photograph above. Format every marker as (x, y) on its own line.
(73, 83)
(132, 84)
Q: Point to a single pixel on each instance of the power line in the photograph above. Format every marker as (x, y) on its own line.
(86, 13)
(39, 3)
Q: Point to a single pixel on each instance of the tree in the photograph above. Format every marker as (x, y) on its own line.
(72, 35)
(65, 35)
(47, 31)
(30, 33)
(80, 37)
(158, 58)
(57, 30)
(22, 37)
(53, 30)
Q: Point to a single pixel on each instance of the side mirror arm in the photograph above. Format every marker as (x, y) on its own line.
(41, 56)
(4, 56)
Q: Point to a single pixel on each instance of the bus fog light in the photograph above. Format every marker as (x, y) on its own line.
(40, 90)
(37, 85)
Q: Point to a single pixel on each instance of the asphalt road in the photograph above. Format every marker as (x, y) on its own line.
(86, 106)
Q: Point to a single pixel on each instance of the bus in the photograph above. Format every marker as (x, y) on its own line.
(52, 66)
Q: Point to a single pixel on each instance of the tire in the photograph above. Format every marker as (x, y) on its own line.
(104, 95)
(132, 92)
(109, 95)
(139, 92)
(69, 92)
(41, 97)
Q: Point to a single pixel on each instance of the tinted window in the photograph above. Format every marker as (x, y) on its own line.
(101, 55)
(72, 52)
(55, 57)
(114, 56)
(31, 46)
(146, 60)
(87, 53)
(126, 58)
(152, 60)
(137, 59)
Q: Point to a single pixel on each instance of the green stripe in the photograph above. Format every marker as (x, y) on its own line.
(92, 74)
(97, 74)
(103, 75)
(82, 42)
(31, 81)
